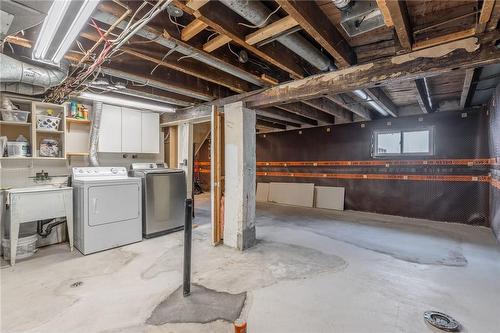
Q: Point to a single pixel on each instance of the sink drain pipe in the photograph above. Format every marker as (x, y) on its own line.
(188, 230)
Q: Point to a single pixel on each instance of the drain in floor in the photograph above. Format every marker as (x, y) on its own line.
(76, 284)
(442, 321)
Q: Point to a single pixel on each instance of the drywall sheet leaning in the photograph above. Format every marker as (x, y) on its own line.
(330, 197)
(296, 194)
(262, 192)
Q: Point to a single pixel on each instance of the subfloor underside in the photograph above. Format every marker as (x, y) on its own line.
(311, 271)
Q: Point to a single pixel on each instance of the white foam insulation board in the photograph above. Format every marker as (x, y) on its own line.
(296, 194)
(262, 194)
(330, 197)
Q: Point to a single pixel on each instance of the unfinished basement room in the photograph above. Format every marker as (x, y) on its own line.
(249, 166)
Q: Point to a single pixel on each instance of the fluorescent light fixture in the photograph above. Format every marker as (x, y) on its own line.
(157, 107)
(49, 28)
(79, 21)
(361, 94)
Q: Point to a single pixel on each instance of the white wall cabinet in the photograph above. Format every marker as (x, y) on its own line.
(125, 130)
(110, 133)
(131, 131)
(150, 133)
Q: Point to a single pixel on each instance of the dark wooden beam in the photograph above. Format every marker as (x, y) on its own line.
(398, 16)
(348, 103)
(329, 107)
(277, 120)
(467, 53)
(269, 124)
(469, 74)
(473, 86)
(423, 96)
(282, 114)
(484, 17)
(379, 97)
(312, 19)
(308, 111)
(223, 21)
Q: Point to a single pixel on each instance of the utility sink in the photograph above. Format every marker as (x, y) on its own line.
(37, 188)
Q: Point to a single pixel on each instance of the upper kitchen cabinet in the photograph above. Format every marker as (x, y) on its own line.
(150, 133)
(125, 130)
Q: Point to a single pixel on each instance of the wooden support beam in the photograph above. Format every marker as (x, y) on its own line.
(396, 9)
(312, 19)
(308, 111)
(485, 15)
(379, 97)
(269, 124)
(348, 103)
(469, 74)
(382, 5)
(215, 43)
(473, 85)
(222, 20)
(423, 44)
(192, 29)
(423, 97)
(466, 53)
(271, 30)
(285, 115)
(16, 40)
(495, 16)
(329, 107)
(196, 4)
(277, 120)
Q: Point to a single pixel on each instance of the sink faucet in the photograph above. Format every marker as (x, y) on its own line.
(40, 176)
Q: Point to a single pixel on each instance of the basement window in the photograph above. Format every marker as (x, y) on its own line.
(404, 142)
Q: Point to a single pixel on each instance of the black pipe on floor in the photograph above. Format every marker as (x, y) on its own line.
(188, 230)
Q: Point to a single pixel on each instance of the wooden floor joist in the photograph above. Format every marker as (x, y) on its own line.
(271, 30)
(215, 43)
(192, 29)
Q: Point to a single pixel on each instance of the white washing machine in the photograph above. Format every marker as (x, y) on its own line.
(107, 208)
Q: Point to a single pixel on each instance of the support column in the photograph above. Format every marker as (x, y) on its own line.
(239, 204)
(185, 154)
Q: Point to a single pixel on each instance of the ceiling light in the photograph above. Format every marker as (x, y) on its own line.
(157, 107)
(49, 28)
(79, 21)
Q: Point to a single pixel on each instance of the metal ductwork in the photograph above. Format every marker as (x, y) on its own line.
(94, 134)
(358, 17)
(257, 13)
(27, 79)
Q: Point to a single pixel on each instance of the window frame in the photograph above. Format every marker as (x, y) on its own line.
(376, 133)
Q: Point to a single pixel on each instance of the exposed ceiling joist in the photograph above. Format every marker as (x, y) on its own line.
(485, 15)
(348, 103)
(329, 107)
(473, 85)
(215, 43)
(269, 124)
(469, 74)
(379, 97)
(271, 30)
(277, 120)
(308, 111)
(398, 16)
(221, 20)
(466, 53)
(282, 114)
(196, 4)
(423, 95)
(192, 29)
(443, 39)
(495, 16)
(312, 19)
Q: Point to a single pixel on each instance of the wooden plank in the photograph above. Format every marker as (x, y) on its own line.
(215, 43)
(196, 4)
(382, 5)
(308, 111)
(173, 146)
(473, 85)
(270, 124)
(379, 97)
(467, 53)
(443, 39)
(312, 19)
(329, 107)
(216, 150)
(469, 74)
(276, 120)
(350, 104)
(399, 17)
(192, 29)
(485, 15)
(271, 30)
(269, 79)
(282, 114)
(423, 96)
(495, 16)
(222, 20)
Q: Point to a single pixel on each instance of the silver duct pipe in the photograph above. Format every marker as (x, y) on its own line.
(192, 52)
(257, 13)
(23, 78)
(94, 133)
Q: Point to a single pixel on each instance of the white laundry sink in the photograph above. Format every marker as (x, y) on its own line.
(36, 188)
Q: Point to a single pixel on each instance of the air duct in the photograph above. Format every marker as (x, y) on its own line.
(23, 78)
(257, 13)
(94, 134)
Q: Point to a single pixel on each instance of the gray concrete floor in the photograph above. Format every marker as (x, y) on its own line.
(312, 271)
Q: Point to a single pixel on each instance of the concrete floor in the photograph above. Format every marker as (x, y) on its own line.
(312, 271)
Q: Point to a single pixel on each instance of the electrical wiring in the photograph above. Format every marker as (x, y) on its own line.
(263, 23)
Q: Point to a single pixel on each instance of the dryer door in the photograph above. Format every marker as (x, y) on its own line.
(113, 203)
